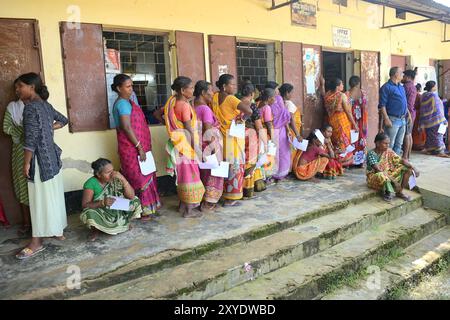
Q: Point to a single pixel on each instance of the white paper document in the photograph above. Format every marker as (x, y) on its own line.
(300, 145)
(350, 148)
(120, 204)
(310, 85)
(262, 161)
(148, 166)
(222, 170)
(320, 136)
(237, 130)
(442, 129)
(355, 136)
(211, 162)
(272, 149)
(412, 181)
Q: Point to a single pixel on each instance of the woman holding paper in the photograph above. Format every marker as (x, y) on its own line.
(267, 98)
(432, 119)
(334, 167)
(253, 176)
(358, 102)
(341, 119)
(182, 127)
(98, 192)
(211, 143)
(312, 161)
(281, 122)
(227, 109)
(134, 141)
(386, 171)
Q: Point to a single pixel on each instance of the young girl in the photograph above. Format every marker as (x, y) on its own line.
(267, 98)
(314, 160)
(334, 167)
(42, 164)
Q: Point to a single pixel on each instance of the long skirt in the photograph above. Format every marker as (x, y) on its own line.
(3, 218)
(213, 186)
(380, 181)
(189, 185)
(283, 155)
(309, 170)
(47, 205)
(233, 186)
(434, 141)
(111, 221)
(333, 169)
(419, 136)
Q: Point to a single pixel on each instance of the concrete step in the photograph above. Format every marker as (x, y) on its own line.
(307, 278)
(418, 260)
(193, 248)
(223, 269)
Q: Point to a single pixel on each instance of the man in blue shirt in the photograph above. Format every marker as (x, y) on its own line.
(393, 108)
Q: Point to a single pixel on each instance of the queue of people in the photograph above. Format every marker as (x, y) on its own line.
(199, 123)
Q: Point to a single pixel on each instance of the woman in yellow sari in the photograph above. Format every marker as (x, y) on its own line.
(340, 117)
(227, 108)
(181, 125)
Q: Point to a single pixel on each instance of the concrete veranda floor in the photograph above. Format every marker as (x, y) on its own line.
(171, 233)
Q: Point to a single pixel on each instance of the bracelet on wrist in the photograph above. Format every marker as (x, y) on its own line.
(137, 145)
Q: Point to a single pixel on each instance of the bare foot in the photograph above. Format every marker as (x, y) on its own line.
(61, 238)
(93, 235)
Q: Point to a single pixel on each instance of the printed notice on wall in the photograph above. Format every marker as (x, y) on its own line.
(311, 65)
(303, 14)
(223, 69)
(342, 38)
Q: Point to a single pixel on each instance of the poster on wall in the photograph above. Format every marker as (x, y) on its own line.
(223, 69)
(112, 61)
(311, 65)
(304, 15)
(425, 74)
(342, 38)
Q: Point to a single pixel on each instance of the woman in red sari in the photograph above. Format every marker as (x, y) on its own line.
(334, 167)
(358, 101)
(3, 218)
(341, 119)
(133, 136)
(419, 136)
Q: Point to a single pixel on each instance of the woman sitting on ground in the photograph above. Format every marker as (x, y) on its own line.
(386, 171)
(97, 200)
(334, 167)
(311, 162)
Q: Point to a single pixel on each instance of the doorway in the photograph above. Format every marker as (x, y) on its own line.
(337, 65)
(19, 53)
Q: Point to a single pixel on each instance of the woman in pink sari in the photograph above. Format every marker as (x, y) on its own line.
(211, 143)
(281, 123)
(133, 136)
(181, 125)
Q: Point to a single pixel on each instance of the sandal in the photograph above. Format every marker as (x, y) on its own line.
(232, 204)
(388, 197)
(404, 197)
(26, 253)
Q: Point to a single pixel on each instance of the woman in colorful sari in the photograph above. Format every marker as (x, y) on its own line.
(3, 218)
(42, 164)
(334, 167)
(253, 176)
(267, 98)
(431, 118)
(227, 108)
(311, 162)
(386, 171)
(341, 119)
(281, 122)
(181, 125)
(12, 126)
(419, 136)
(286, 92)
(98, 193)
(358, 101)
(211, 143)
(134, 141)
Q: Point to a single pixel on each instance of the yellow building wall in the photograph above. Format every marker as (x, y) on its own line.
(241, 18)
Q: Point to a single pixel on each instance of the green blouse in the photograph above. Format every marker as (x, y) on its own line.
(94, 185)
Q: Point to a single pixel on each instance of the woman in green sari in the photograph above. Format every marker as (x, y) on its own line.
(98, 198)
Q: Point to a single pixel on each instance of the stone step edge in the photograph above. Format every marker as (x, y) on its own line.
(104, 280)
(318, 285)
(327, 240)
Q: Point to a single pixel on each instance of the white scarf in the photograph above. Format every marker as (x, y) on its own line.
(15, 108)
